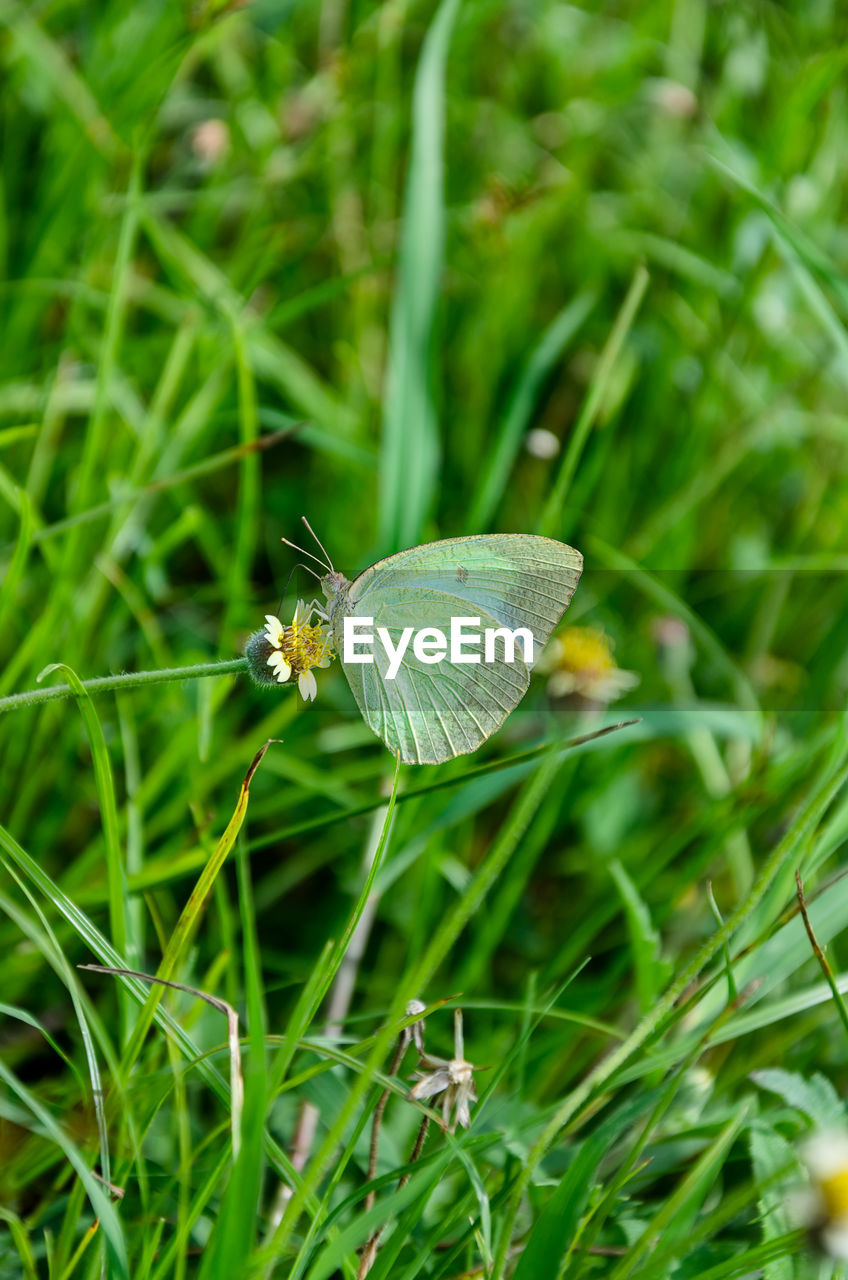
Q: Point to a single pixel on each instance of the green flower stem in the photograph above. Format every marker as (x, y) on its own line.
(128, 680)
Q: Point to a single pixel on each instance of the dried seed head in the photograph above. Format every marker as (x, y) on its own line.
(451, 1078)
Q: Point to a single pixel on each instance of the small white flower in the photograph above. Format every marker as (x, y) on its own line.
(579, 661)
(296, 649)
(826, 1210)
(454, 1078)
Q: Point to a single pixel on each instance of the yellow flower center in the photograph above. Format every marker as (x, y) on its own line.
(834, 1192)
(585, 650)
(303, 646)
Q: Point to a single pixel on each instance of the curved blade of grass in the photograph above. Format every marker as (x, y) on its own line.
(20, 1236)
(675, 1216)
(12, 576)
(505, 449)
(233, 1043)
(410, 443)
(104, 950)
(119, 917)
(799, 834)
(23, 1015)
(100, 1202)
(51, 949)
(420, 1186)
(229, 1245)
(552, 1235)
(180, 939)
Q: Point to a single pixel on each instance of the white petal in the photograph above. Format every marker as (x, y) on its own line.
(282, 670)
(300, 615)
(430, 1062)
(430, 1085)
(458, 1046)
(826, 1154)
(306, 684)
(273, 630)
(835, 1239)
(562, 683)
(463, 1116)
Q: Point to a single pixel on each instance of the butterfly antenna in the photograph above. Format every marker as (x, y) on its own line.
(320, 543)
(303, 552)
(285, 591)
(289, 578)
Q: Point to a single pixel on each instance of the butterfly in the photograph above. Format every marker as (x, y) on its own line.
(427, 709)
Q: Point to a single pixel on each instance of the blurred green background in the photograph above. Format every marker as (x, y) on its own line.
(517, 266)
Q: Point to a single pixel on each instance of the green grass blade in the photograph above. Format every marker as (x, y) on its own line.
(115, 870)
(16, 565)
(229, 1247)
(551, 518)
(799, 834)
(554, 341)
(99, 1200)
(553, 1234)
(190, 916)
(410, 445)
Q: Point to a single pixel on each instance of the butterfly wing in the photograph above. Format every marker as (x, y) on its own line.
(433, 712)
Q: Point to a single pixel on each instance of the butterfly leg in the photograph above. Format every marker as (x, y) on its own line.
(316, 608)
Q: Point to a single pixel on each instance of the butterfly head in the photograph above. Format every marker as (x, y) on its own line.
(332, 583)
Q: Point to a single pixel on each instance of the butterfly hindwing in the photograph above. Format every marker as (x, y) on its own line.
(433, 712)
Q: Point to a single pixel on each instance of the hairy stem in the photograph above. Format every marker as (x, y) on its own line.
(127, 680)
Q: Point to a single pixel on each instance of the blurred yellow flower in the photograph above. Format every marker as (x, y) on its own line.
(579, 661)
(296, 649)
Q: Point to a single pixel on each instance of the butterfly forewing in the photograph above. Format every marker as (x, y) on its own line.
(433, 712)
(518, 579)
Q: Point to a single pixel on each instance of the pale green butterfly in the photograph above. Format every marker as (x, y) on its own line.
(431, 712)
